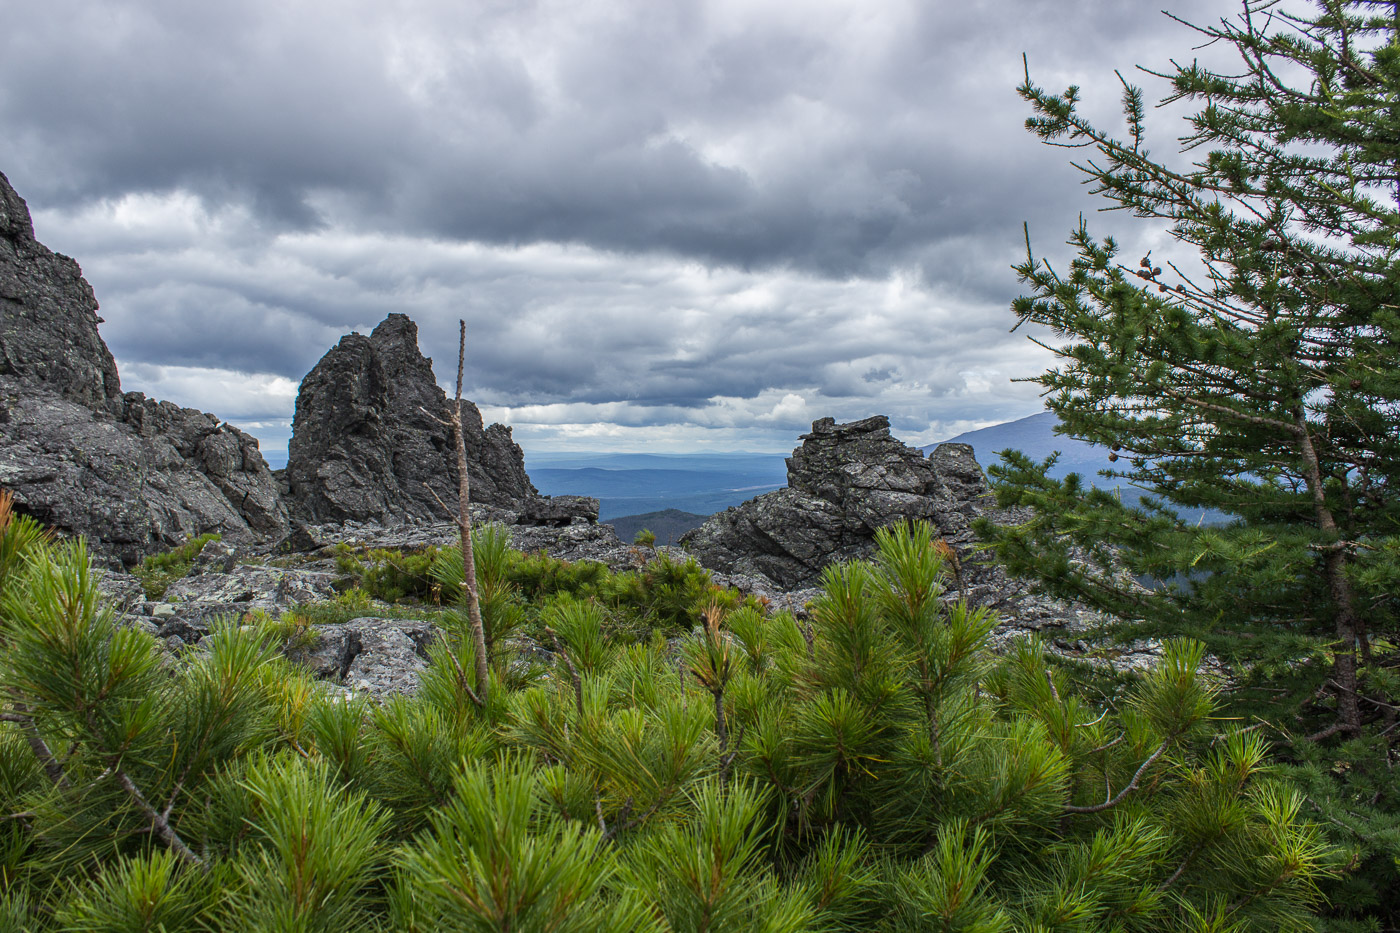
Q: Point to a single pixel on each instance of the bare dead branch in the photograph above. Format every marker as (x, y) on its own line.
(1132, 785)
(159, 823)
(573, 671)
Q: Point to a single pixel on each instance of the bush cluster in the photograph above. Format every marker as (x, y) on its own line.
(871, 768)
(390, 574)
(158, 571)
(666, 592)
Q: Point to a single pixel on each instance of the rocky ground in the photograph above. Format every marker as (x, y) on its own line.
(371, 462)
(381, 652)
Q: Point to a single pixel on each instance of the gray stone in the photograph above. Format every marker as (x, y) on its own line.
(129, 474)
(187, 631)
(369, 443)
(247, 588)
(578, 542)
(557, 511)
(845, 482)
(223, 456)
(216, 557)
(379, 657)
(48, 316)
(122, 591)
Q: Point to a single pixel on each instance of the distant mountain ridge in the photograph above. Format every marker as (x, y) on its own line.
(628, 484)
(1036, 438)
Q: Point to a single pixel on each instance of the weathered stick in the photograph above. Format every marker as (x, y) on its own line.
(464, 526)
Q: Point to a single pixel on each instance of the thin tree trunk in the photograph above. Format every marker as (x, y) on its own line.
(464, 526)
(721, 725)
(1344, 659)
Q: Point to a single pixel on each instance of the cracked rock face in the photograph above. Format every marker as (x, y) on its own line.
(369, 443)
(130, 474)
(378, 657)
(48, 316)
(845, 482)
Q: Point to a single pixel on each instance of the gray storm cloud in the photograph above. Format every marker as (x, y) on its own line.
(687, 216)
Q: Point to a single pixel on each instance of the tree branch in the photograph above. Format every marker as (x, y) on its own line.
(1132, 785)
(37, 745)
(158, 822)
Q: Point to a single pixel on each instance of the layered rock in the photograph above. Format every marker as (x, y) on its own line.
(369, 442)
(130, 474)
(845, 482)
(48, 316)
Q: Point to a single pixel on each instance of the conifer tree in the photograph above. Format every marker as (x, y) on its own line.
(1255, 372)
(873, 767)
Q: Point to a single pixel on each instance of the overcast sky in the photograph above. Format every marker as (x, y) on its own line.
(669, 225)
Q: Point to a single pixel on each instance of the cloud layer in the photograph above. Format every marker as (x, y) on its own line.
(672, 224)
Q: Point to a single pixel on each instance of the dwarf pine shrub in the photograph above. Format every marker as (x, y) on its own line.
(873, 767)
(158, 571)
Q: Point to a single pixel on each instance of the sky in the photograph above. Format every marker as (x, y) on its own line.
(670, 225)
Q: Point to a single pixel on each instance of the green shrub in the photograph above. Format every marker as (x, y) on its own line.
(874, 768)
(351, 604)
(158, 571)
(539, 576)
(390, 574)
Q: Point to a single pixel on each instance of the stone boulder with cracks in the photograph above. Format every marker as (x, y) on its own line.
(845, 483)
(369, 442)
(378, 657)
(129, 474)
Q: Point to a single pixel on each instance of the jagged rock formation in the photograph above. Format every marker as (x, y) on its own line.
(367, 446)
(130, 474)
(845, 482)
(48, 331)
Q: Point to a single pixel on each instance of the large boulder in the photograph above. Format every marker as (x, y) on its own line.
(369, 441)
(48, 316)
(845, 482)
(380, 658)
(130, 474)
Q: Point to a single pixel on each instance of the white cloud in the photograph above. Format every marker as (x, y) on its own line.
(231, 395)
(697, 223)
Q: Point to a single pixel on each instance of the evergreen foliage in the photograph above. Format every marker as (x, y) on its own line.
(392, 575)
(871, 768)
(1259, 376)
(158, 571)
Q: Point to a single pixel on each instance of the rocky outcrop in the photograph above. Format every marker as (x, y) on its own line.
(845, 482)
(127, 491)
(367, 443)
(130, 474)
(48, 316)
(220, 454)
